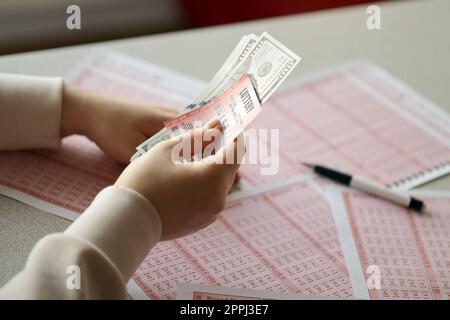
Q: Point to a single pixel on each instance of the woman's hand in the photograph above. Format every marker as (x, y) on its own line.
(187, 196)
(116, 126)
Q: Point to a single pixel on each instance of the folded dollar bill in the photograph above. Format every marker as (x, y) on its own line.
(264, 60)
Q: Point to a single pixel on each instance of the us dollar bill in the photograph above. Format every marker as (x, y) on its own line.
(268, 64)
(265, 60)
(239, 53)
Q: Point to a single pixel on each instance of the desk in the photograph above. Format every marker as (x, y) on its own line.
(411, 44)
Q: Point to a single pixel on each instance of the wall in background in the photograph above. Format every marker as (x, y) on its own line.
(202, 13)
(40, 24)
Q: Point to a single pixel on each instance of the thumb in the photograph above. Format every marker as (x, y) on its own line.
(194, 143)
(173, 148)
(229, 157)
(232, 153)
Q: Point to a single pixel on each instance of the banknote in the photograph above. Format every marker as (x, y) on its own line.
(264, 59)
(158, 137)
(235, 109)
(239, 53)
(267, 64)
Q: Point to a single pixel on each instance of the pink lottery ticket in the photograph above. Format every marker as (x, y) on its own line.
(339, 120)
(284, 240)
(411, 250)
(235, 108)
(199, 292)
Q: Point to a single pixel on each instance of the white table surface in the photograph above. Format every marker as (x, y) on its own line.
(413, 44)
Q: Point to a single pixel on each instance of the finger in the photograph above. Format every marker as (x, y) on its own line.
(235, 185)
(208, 221)
(169, 144)
(226, 161)
(232, 153)
(214, 123)
(202, 134)
(237, 178)
(130, 148)
(211, 136)
(162, 112)
(167, 111)
(155, 118)
(192, 144)
(166, 114)
(202, 142)
(138, 138)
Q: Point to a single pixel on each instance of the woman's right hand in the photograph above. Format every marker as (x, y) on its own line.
(187, 196)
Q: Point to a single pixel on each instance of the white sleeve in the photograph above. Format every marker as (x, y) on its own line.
(30, 111)
(107, 243)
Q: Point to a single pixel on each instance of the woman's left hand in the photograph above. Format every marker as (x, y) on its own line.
(116, 126)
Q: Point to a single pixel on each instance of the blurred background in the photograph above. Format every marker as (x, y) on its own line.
(27, 25)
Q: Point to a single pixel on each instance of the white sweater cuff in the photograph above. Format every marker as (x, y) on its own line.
(123, 224)
(30, 112)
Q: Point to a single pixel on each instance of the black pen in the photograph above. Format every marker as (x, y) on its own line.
(369, 187)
